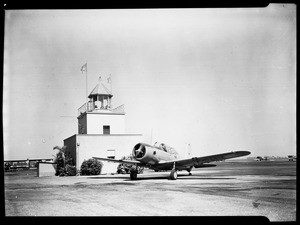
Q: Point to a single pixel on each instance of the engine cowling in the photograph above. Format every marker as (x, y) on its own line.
(139, 151)
(145, 153)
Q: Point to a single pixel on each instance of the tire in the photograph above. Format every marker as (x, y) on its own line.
(133, 175)
(173, 175)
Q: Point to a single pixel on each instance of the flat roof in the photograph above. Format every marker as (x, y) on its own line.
(104, 135)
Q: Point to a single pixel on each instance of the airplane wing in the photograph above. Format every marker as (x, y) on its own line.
(134, 162)
(200, 161)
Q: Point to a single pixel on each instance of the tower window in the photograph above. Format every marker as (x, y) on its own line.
(111, 153)
(106, 129)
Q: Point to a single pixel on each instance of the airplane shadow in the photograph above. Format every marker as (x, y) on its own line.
(128, 178)
(103, 178)
(184, 177)
(163, 177)
(209, 178)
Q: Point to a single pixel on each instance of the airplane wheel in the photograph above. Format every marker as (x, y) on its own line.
(133, 175)
(173, 175)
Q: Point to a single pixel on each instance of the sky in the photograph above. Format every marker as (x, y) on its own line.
(218, 79)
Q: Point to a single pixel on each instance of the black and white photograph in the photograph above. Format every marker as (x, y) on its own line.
(150, 112)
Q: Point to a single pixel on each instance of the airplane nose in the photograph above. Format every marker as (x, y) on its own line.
(139, 150)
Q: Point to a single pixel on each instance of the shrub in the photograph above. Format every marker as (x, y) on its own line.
(70, 170)
(124, 168)
(91, 167)
(60, 172)
(64, 164)
(7, 166)
(59, 160)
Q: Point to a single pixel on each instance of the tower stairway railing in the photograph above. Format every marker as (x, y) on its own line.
(119, 109)
(82, 109)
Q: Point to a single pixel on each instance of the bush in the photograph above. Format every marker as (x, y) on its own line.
(124, 168)
(70, 170)
(64, 164)
(59, 160)
(91, 167)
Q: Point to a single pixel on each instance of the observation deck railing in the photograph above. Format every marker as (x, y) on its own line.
(91, 107)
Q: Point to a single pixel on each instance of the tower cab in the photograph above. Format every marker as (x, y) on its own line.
(100, 99)
(99, 117)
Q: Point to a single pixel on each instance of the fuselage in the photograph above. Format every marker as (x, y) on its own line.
(151, 154)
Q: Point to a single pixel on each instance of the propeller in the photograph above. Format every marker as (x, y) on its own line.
(139, 151)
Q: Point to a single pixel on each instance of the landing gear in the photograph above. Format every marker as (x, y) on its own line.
(173, 175)
(189, 170)
(134, 172)
(133, 175)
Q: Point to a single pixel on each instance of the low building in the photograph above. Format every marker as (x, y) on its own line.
(292, 157)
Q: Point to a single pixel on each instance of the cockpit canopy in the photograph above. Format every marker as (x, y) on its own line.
(165, 148)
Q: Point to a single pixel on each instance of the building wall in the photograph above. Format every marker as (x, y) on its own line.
(71, 148)
(46, 169)
(95, 123)
(98, 145)
(82, 122)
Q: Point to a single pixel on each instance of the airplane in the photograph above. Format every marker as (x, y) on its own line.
(163, 157)
(259, 158)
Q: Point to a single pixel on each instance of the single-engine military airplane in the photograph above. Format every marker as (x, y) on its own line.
(163, 157)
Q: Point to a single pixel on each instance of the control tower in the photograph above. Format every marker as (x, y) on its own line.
(101, 131)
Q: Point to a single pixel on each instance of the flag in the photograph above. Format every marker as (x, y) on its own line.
(83, 68)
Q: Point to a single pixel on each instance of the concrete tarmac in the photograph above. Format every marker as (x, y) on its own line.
(230, 189)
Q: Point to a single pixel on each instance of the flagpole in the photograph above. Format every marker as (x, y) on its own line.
(110, 88)
(110, 83)
(86, 86)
